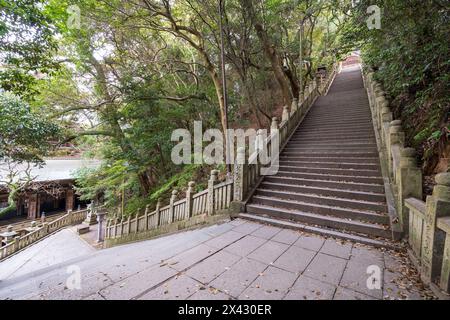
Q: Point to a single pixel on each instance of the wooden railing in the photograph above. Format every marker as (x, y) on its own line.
(425, 224)
(20, 242)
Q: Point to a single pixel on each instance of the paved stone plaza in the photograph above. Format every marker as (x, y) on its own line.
(233, 260)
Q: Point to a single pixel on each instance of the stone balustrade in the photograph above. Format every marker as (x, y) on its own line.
(20, 242)
(426, 224)
(219, 200)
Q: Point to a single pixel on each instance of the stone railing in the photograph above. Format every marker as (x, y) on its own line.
(248, 176)
(429, 235)
(206, 206)
(425, 224)
(20, 242)
(219, 200)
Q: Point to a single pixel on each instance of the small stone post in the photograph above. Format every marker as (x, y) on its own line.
(437, 205)
(16, 243)
(294, 106)
(100, 231)
(445, 272)
(70, 216)
(173, 198)
(409, 183)
(274, 125)
(158, 212)
(396, 137)
(285, 115)
(240, 181)
(45, 228)
(211, 182)
(189, 201)
(146, 212)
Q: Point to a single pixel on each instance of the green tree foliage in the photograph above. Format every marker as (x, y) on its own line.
(411, 56)
(27, 45)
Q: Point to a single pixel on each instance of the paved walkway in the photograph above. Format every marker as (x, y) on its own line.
(234, 260)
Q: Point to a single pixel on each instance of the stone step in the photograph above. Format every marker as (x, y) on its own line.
(327, 192)
(322, 132)
(312, 159)
(330, 148)
(332, 138)
(329, 165)
(332, 171)
(326, 232)
(321, 220)
(322, 209)
(342, 143)
(330, 177)
(348, 186)
(337, 126)
(336, 154)
(327, 201)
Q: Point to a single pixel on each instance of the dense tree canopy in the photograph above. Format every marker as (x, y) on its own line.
(131, 72)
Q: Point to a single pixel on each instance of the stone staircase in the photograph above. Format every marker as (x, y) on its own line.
(329, 180)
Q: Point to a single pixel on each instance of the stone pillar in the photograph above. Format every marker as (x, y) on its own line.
(33, 206)
(240, 178)
(70, 217)
(189, 200)
(396, 137)
(285, 115)
(294, 106)
(158, 212)
(445, 272)
(100, 231)
(273, 125)
(409, 183)
(173, 198)
(437, 205)
(211, 182)
(70, 199)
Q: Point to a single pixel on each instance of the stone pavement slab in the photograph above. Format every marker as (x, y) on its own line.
(212, 267)
(178, 288)
(306, 288)
(337, 249)
(268, 252)
(235, 280)
(217, 262)
(266, 232)
(272, 284)
(326, 268)
(310, 242)
(295, 259)
(245, 246)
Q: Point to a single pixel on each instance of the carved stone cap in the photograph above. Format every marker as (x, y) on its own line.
(443, 179)
(396, 123)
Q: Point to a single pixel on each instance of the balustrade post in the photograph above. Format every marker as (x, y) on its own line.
(285, 114)
(45, 228)
(16, 243)
(274, 125)
(70, 217)
(158, 212)
(409, 183)
(239, 180)
(294, 106)
(437, 206)
(396, 137)
(211, 201)
(173, 198)
(189, 200)
(146, 213)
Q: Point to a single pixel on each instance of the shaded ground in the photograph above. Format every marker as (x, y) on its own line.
(234, 260)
